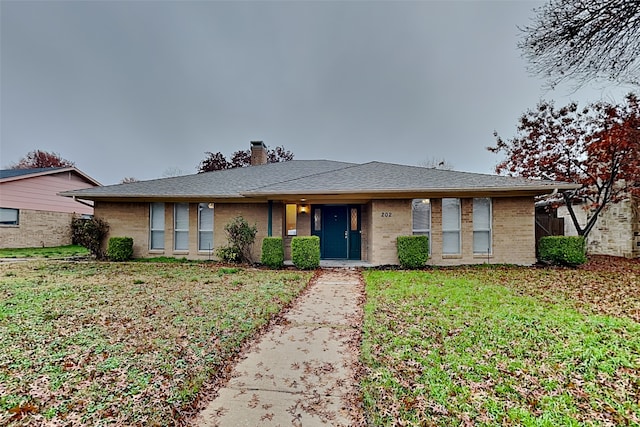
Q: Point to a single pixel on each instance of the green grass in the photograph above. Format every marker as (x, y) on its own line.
(53, 252)
(453, 347)
(124, 343)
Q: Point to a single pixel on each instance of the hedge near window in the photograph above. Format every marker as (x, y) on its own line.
(305, 252)
(413, 251)
(272, 252)
(120, 248)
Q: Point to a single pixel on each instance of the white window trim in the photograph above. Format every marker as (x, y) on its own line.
(208, 207)
(490, 229)
(458, 229)
(423, 231)
(177, 230)
(151, 229)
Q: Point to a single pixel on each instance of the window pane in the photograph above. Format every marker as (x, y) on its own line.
(181, 216)
(206, 240)
(481, 242)
(451, 214)
(8, 216)
(481, 214)
(291, 213)
(450, 242)
(205, 226)
(157, 240)
(157, 226)
(354, 219)
(317, 219)
(421, 215)
(182, 240)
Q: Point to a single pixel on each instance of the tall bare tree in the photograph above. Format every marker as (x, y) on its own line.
(580, 41)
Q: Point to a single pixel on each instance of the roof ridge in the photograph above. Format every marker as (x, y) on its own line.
(347, 166)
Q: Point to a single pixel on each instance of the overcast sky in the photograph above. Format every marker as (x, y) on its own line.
(142, 88)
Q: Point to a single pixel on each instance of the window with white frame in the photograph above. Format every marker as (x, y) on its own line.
(9, 216)
(451, 220)
(205, 226)
(421, 217)
(181, 226)
(482, 225)
(156, 215)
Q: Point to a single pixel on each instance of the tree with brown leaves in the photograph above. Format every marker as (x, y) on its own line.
(42, 159)
(597, 146)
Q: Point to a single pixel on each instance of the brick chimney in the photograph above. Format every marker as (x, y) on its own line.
(258, 153)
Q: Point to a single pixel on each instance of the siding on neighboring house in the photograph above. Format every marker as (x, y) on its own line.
(40, 194)
(44, 217)
(617, 231)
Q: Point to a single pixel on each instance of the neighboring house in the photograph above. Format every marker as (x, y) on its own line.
(32, 214)
(357, 210)
(617, 231)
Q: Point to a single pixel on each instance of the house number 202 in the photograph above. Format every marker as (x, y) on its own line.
(385, 214)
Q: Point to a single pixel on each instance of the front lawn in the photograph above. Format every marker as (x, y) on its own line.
(124, 343)
(52, 252)
(503, 346)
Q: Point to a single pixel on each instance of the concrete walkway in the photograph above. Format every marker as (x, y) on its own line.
(302, 372)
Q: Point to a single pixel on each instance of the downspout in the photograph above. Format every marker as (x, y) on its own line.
(270, 219)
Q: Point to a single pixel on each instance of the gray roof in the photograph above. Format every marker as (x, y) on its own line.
(316, 177)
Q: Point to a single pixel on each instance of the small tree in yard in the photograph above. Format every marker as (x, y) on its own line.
(89, 233)
(597, 146)
(241, 237)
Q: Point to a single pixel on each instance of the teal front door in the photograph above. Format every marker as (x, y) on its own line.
(338, 227)
(334, 237)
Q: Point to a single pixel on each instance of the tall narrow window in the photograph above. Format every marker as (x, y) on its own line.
(421, 213)
(9, 216)
(205, 226)
(451, 226)
(482, 226)
(156, 240)
(181, 226)
(317, 219)
(291, 214)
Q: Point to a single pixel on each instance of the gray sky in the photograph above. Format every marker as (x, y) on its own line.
(136, 88)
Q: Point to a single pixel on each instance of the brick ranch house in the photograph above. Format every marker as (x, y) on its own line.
(357, 210)
(32, 214)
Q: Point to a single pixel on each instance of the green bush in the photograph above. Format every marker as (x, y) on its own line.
(241, 237)
(413, 251)
(89, 233)
(563, 250)
(305, 252)
(272, 252)
(120, 248)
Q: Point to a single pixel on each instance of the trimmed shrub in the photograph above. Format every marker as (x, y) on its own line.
(305, 252)
(89, 233)
(563, 250)
(272, 252)
(120, 248)
(413, 251)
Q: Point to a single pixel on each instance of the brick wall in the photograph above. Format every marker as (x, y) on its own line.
(382, 222)
(37, 229)
(132, 220)
(617, 230)
(513, 240)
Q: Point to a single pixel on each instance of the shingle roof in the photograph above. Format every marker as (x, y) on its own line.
(10, 173)
(317, 177)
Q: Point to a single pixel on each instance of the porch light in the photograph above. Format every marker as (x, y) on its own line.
(210, 205)
(304, 209)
